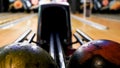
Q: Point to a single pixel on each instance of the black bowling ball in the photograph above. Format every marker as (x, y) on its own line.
(96, 54)
(21, 55)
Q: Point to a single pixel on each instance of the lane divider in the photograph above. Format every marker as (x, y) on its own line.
(91, 23)
(12, 23)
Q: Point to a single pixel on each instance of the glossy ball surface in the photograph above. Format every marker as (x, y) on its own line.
(21, 55)
(96, 54)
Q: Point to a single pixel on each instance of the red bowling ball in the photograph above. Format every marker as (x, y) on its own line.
(96, 54)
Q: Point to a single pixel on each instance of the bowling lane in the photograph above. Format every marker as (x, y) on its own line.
(9, 35)
(112, 33)
(4, 14)
(6, 18)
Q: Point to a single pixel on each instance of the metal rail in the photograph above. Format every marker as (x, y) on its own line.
(23, 36)
(31, 38)
(52, 48)
(76, 35)
(26, 37)
(60, 52)
(85, 36)
(56, 50)
(82, 37)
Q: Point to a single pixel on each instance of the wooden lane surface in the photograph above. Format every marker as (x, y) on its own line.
(4, 14)
(10, 17)
(112, 33)
(9, 35)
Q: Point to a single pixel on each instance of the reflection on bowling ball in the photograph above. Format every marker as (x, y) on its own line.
(96, 54)
(25, 56)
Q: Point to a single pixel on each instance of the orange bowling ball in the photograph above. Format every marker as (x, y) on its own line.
(18, 4)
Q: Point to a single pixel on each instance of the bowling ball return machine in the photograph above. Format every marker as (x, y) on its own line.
(54, 21)
(54, 30)
(54, 35)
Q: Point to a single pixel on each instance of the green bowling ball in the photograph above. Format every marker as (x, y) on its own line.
(19, 55)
